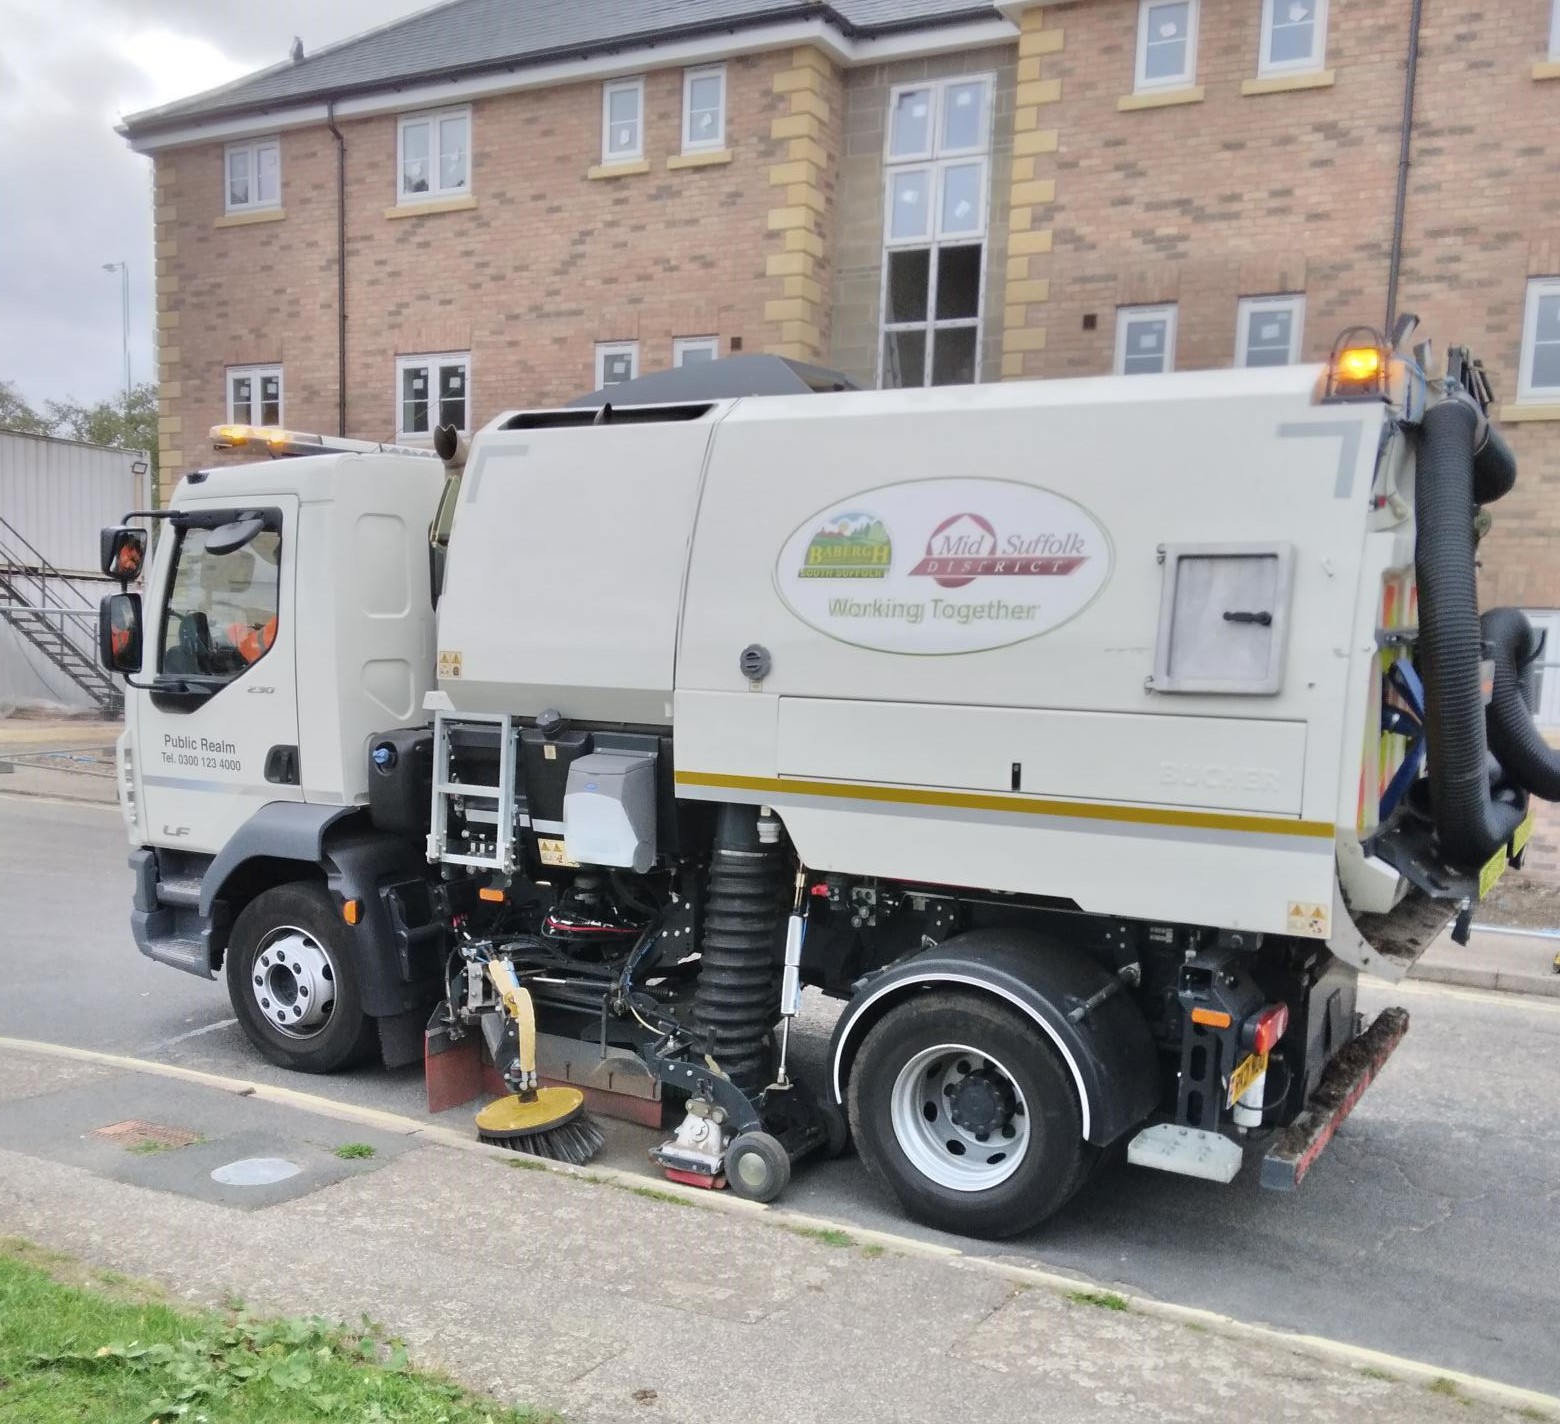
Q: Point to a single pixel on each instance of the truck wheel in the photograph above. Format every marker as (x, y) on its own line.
(961, 1109)
(293, 981)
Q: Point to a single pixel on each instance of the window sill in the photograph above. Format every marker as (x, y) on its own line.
(1507, 414)
(265, 215)
(1284, 83)
(1547, 69)
(433, 205)
(1160, 99)
(617, 170)
(706, 159)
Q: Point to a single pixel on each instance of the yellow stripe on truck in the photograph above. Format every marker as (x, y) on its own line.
(781, 787)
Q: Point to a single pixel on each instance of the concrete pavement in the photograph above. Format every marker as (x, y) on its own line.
(1426, 1230)
(568, 1292)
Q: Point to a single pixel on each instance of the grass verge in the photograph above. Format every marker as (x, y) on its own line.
(69, 1352)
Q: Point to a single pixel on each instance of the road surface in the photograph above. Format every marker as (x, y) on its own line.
(1429, 1228)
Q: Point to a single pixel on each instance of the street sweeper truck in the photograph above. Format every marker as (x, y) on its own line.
(1083, 740)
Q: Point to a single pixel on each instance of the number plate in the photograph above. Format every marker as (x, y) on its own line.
(1494, 868)
(1523, 836)
(1245, 1075)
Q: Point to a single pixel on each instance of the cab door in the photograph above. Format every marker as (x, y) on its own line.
(217, 719)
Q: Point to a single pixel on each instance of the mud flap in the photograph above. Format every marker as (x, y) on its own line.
(1294, 1150)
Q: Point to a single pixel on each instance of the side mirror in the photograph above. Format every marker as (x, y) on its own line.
(230, 538)
(122, 552)
(119, 633)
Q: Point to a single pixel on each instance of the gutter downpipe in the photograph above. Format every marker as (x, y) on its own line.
(341, 265)
(1395, 267)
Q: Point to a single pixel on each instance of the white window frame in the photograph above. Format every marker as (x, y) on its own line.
(607, 349)
(431, 362)
(690, 144)
(256, 374)
(682, 345)
(1141, 83)
(1316, 60)
(934, 164)
(635, 86)
(1527, 392)
(1293, 303)
(251, 148)
(436, 191)
(1124, 318)
(1547, 713)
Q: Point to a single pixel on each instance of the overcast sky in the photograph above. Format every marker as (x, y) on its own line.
(72, 194)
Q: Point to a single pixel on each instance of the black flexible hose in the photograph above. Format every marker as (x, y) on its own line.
(1469, 824)
(737, 996)
(1494, 467)
(1514, 737)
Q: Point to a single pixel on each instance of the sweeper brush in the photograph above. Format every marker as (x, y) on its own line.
(541, 1122)
(553, 1125)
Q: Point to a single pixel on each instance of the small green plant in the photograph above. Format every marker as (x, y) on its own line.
(150, 1149)
(1104, 1300)
(527, 1164)
(873, 1251)
(827, 1235)
(1447, 1389)
(356, 1151)
(651, 1194)
(1528, 1412)
(1371, 1372)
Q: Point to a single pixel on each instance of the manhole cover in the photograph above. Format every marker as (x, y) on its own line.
(256, 1172)
(135, 1134)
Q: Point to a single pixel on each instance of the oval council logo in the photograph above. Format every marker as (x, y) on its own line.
(944, 566)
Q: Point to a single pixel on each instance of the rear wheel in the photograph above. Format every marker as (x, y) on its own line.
(961, 1108)
(293, 981)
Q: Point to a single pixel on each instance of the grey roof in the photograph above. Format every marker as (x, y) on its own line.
(726, 379)
(472, 36)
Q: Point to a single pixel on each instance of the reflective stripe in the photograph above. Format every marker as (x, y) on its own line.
(777, 789)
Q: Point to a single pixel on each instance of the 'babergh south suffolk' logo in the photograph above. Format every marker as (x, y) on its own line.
(849, 546)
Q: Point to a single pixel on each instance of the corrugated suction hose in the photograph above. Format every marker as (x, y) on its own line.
(1470, 823)
(1523, 753)
(738, 990)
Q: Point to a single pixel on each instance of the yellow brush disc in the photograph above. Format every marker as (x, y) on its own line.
(551, 1107)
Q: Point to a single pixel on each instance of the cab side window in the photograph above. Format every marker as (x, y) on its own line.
(222, 609)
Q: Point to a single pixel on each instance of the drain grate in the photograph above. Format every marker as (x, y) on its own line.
(134, 1134)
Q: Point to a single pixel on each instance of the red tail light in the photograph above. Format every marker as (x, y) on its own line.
(1264, 1031)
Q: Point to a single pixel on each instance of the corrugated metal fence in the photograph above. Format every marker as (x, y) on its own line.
(57, 494)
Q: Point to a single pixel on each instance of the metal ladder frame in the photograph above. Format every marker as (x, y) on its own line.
(502, 796)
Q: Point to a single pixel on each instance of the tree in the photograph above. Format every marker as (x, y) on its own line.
(126, 424)
(16, 414)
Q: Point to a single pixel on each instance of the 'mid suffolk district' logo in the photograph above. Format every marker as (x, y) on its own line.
(849, 546)
(966, 547)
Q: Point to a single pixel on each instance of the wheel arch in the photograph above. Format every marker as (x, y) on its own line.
(332, 846)
(1110, 1057)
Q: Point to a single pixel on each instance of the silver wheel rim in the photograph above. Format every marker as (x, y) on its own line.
(293, 982)
(990, 1140)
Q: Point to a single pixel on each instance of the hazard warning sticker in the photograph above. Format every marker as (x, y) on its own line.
(1309, 918)
(449, 664)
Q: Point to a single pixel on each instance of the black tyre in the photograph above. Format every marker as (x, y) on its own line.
(960, 1107)
(292, 976)
(757, 1167)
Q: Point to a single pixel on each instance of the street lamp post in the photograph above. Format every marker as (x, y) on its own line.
(123, 268)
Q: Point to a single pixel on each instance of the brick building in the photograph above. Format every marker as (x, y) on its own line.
(490, 205)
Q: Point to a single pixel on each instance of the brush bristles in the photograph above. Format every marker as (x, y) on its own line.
(574, 1142)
